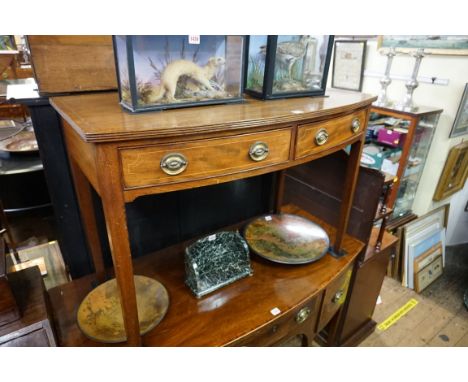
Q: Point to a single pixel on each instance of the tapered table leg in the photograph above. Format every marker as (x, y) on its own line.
(85, 201)
(116, 222)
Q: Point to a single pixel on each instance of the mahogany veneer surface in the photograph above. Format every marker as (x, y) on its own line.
(222, 317)
(100, 118)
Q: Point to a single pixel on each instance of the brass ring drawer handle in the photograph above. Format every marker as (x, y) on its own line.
(355, 125)
(321, 137)
(173, 163)
(338, 295)
(302, 315)
(258, 151)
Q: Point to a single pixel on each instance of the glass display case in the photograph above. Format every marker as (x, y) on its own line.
(398, 143)
(163, 72)
(287, 65)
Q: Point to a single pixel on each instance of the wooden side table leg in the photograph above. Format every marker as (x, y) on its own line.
(85, 201)
(116, 221)
(349, 186)
(279, 191)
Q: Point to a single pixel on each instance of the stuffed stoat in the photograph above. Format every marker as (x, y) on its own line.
(178, 68)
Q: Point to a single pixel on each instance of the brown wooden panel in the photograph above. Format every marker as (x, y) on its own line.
(206, 159)
(73, 63)
(335, 296)
(36, 338)
(77, 148)
(338, 130)
(366, 288)
(8, 308)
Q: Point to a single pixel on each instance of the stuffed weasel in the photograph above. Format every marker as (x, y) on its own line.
(173, 71)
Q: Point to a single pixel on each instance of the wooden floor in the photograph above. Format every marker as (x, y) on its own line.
(439, 318)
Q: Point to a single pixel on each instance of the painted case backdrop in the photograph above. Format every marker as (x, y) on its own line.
(175, 71)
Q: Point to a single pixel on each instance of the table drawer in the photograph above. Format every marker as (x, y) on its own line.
(301, 320)
(315, 137)
(173, 163)
(335, 296)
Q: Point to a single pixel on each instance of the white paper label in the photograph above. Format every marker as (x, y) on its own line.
(211, 237)
(275, 311)
(267, 218)
(194, 39)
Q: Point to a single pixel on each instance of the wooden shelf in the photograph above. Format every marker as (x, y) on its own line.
(222, 317)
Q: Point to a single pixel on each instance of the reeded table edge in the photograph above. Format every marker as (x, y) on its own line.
(63, 106)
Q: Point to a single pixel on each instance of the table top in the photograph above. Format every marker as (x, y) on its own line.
(98, 117)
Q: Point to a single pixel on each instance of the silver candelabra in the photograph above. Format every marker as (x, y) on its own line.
(407, 103)
(382, 100)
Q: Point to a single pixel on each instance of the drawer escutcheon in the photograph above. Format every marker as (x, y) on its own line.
(303, 315)
(355, 125)
(173, 163)
(338, 296)
(321, 137)
(259, 151)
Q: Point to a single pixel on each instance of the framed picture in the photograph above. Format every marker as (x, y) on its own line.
(455, 172)
(418, 236)
(460, 125)
(348, 64)
(7, 42)
(434, 44)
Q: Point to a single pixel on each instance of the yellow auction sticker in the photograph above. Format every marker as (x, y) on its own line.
(394, 317)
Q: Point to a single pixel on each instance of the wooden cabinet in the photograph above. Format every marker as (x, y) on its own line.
(64, 63)
(122, 156)
(416, 131)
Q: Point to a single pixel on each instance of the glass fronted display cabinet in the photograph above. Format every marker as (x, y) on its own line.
(398, 143)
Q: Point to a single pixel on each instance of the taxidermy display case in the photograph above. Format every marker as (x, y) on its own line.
(162, 72)
(287, 66)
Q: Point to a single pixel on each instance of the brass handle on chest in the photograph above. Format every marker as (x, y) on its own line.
(321, 137)
(258, 151)
(302, 315)
(338, 295)
(173, 163)
(355, 125)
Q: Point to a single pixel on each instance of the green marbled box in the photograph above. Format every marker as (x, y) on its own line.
(215, 261)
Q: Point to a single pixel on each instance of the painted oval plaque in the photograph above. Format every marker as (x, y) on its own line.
(100, 315)
(287, 239)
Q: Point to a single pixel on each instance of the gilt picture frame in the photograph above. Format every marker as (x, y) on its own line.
(455, 172)
(432, 44)
(348, 64)
(460, 124)
(7, 43)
